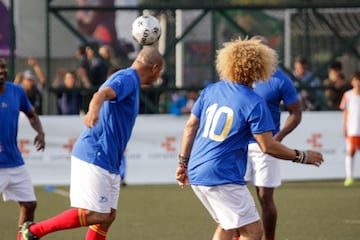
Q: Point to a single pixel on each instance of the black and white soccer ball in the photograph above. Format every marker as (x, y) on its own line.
(146, 30)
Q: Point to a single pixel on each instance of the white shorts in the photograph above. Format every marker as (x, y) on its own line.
(16, 184)
(230, 205)
(262, 169)
(93, 188)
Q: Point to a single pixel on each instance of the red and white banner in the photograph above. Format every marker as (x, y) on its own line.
(155, 143)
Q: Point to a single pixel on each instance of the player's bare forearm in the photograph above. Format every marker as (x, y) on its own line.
(104, 94)
(92, 116)
(292, 121)
(96, 102)
(191, 128)
(290, 124)
(37, 126)
(269, 146)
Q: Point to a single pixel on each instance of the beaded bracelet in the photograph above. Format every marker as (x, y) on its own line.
(300, 157)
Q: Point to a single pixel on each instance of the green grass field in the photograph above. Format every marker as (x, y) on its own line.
(307, 210)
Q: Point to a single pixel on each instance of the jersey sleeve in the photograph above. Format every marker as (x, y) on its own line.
(260, 119)
(122, 84)
(25, 104)
(196, 109)
(288, 91)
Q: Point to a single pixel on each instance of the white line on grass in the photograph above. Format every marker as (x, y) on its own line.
(349, 221)
(61, 192)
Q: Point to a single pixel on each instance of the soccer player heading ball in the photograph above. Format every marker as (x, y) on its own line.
(97, 154)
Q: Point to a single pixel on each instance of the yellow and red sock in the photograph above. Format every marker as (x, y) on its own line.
(96, 232)
(71, 218)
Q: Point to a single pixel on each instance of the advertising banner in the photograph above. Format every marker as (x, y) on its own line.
(151, 154)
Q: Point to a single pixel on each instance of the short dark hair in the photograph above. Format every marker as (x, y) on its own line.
(302, 60)
(94, 46)
(82, 49)
(341, 75)
(356, 75)
(336, 66)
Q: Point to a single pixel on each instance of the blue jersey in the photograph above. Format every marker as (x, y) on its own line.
(12, 101)
(103, 145)
(279, 88)
(229, 114)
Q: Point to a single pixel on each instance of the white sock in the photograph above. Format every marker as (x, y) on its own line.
(349, 167)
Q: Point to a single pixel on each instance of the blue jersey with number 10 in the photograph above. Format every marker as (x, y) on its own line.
(229, 114)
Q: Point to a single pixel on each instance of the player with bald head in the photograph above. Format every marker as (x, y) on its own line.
(96, 156)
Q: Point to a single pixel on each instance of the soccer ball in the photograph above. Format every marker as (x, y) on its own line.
(146, 30)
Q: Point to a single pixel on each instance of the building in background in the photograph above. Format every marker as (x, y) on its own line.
(4, 29)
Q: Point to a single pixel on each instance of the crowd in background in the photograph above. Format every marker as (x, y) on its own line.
(316, 94)
(74, 87)
(104, 52)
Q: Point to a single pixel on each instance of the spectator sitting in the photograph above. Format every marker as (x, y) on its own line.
(107, 53)
(33, 63)
(69, 99)
(335, 85)
(94, 76)
(27, 80)
(306, 79)
(80, 54)
(34, 91)
(302, 73)
(191, 97)
(183, 104)
(97, 68)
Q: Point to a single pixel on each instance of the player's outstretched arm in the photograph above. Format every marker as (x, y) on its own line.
(269, 146)
(291, 122)
(34, 120)
(92, 116)
(191, 128)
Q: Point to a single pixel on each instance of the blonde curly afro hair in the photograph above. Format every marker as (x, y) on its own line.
(245, 61)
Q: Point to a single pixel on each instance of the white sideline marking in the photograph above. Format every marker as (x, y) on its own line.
(348, 221)
(62, 192)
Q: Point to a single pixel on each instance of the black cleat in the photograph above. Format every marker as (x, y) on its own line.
(26, 234)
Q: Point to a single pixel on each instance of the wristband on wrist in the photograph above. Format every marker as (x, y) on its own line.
(183, 161)
(298, 156)
(181, 165)
(304, 157)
